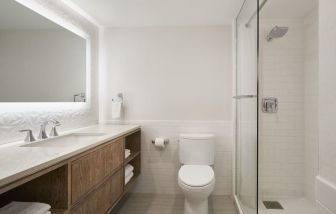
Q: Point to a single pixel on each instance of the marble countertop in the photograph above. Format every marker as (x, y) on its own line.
(18, 160)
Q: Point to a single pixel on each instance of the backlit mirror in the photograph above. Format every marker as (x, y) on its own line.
(40, 61)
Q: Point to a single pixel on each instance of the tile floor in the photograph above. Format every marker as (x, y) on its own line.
(169, 204)
(292, 206)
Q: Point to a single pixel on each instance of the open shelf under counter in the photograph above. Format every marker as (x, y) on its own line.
(131, 183)
(131, 157)
(133, 142)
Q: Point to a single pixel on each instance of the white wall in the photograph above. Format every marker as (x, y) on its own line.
(41, 65)
(327, 98)
(170, 73)
(310, 103)
(174, 79)
(22, 116)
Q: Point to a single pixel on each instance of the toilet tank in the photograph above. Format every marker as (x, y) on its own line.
(197, 149)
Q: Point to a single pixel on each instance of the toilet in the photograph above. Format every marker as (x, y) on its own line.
(196, 177)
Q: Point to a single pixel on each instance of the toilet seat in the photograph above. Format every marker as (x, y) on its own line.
(196, 175)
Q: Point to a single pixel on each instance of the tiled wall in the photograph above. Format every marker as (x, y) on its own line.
(327, 103)
(282, 134)
(310, 103)
(289, 138)
(160, 167)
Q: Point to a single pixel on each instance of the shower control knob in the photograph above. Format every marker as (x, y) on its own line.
(270, 105)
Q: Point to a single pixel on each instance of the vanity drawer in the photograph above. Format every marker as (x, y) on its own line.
(102, 199)
(91, 169)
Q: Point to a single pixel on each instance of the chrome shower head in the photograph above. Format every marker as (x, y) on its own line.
(276, 32)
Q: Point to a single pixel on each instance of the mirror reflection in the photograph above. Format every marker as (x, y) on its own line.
(40, 61)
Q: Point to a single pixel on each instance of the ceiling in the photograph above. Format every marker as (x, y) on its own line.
(135, 13)
(14, 16)
(287, 9)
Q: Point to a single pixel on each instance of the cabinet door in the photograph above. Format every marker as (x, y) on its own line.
(91, 169)
(102, 199)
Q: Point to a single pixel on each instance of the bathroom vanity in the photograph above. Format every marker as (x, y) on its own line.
(80, 172)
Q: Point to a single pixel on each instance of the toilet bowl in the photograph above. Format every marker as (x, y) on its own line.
(197, 183)
(196, 178)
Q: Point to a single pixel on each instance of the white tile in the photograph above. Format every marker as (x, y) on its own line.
(160, 167)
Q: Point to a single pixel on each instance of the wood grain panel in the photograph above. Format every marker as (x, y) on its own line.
(51, 188)
(91, 169)
(103, 198)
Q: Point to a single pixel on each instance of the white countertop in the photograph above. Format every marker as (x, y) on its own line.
(17, 160)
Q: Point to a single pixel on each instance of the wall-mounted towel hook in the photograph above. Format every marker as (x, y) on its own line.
(119, 97)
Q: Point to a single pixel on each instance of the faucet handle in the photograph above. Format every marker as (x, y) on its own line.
(53, 132)
(56, 123)
(30, 137)
(43, 135)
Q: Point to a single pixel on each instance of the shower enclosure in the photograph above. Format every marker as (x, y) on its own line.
(247, 107)
(276, 107)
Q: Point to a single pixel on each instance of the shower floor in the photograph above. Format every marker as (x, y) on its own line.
(291, 206)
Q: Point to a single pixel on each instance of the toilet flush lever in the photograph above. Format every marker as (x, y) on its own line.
(270, 105)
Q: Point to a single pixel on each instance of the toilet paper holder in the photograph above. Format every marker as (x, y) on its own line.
(166, 141)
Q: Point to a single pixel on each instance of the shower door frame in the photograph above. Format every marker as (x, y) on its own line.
(235, 63)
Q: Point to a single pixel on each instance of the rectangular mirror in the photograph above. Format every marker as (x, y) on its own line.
(40, 61)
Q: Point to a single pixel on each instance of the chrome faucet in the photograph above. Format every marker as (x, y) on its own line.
(53, 132)
(43, 134)
(30, 137)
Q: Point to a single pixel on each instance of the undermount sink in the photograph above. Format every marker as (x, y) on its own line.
(69, 140)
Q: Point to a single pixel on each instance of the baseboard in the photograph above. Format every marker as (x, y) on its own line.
(325, 196)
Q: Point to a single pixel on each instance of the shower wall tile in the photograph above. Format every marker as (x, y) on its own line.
(282, 134)
(289, 138)
(326, 180)
(311, 103)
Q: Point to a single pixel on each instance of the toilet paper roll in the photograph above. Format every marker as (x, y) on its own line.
(159, 142)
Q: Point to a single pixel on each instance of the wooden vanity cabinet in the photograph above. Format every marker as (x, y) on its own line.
(87, 183)
(90, 170)
(103, 198)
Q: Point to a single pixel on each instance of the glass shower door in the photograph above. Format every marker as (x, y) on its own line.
(247, 107)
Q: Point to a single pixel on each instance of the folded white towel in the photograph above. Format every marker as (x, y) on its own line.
(128, 178)
(25, 208)
(116, 109)
(128, 169)
(127, 155)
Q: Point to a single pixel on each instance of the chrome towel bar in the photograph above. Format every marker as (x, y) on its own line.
(244, 96)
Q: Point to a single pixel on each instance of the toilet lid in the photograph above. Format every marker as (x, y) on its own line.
(196, 175)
